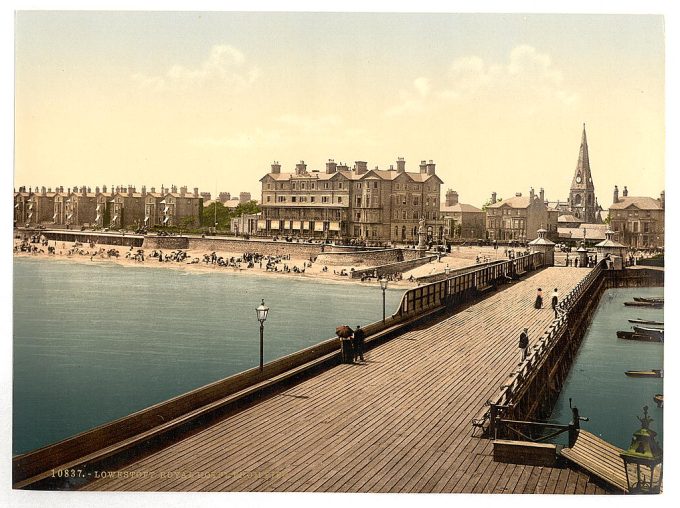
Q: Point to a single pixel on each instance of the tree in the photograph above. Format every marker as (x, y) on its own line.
(488, 202)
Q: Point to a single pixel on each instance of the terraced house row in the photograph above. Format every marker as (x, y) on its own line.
(119, 207)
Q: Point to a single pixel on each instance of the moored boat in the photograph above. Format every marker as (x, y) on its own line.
(645, 322)
(649, 305)
(638, 336)
(650, 299)
(652, 332)
(658, 398)
(645, 373)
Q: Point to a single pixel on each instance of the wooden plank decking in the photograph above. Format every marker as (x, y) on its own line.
(398, 423)
(599, 458)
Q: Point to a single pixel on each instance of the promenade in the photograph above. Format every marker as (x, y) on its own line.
(400, 422)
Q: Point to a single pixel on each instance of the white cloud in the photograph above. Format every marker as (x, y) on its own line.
(527, 74)
(224, 67)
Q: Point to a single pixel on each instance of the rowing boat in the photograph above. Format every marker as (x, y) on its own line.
(638, 337)
(649, 305)
(645, 373)
(652, 332)
(645, 322)
(651, 299)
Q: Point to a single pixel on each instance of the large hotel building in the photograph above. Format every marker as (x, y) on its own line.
(374, 206)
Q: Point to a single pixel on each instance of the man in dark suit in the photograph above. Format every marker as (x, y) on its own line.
(358, 343)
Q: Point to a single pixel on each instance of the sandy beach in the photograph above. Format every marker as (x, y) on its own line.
(459, 257)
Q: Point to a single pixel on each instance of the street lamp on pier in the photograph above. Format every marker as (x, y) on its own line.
(642, 460)
(262, 312)
(383, 286)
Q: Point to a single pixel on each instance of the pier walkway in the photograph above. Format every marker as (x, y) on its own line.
(400, 422)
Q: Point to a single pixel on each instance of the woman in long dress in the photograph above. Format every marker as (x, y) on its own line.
(538, 304)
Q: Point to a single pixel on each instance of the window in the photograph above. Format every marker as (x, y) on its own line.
(293, 199)
(415, 201)
(375, 186)
(358, 185)
(325, 185)
(324, 199)
(403, 214)
(403, 199)
(312, 199)
(269, 198)
(269, 186)
(339, 199)
(358, 201)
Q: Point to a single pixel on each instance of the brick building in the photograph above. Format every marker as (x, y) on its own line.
(518, 218)
(375, 206)
(462, 221)
(638, 221)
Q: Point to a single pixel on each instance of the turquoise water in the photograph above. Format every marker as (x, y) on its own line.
(597, 382)
(93, 343)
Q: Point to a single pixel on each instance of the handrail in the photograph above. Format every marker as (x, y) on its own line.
(457, 287)
(512, 386)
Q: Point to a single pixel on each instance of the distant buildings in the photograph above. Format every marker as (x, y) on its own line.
(638, 221)
(462, 221)
(374, 206)
(118, 208)
(519, 218)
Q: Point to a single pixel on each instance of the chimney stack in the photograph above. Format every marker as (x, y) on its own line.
(153, 190)
(663, 199)
(144, 190)
(300, 168)
(360, 167)
(331, 166)
(183, 191)
(493, 198)
(423, 167)
(42, 190)
(625, 191)
(541, 194)
(430, 168)
(244, 197)
(276, 168)
(195, 192)
(531, 194)
(616, 194)
(401, 165)
(174, 189)
(451, 197)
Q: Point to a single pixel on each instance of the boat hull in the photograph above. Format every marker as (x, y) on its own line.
(638, 337)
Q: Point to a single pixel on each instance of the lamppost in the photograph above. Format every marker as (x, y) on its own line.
(642, 460)
(383, 286)
(262, 312)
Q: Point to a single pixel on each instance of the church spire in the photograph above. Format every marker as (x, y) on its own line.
(582, 177)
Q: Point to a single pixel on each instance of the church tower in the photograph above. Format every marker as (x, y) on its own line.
(582, 203)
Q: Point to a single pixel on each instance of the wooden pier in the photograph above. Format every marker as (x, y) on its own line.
(400, 422)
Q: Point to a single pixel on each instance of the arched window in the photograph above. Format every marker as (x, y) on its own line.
(577, 199)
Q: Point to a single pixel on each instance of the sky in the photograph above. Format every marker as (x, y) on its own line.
(211, 99)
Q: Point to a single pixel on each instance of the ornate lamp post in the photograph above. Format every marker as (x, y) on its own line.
(262, 312)
(643, 459)
(383, 286)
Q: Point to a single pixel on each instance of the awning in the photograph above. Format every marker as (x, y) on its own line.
(166, 220)
(55, 216)
(30, 207)
(305, 224)
(162, 202)
(30, 215)
(16, 206)
(274, 224)
(146, 219)
(98, 207)
(334, 226)
(318, 226)
(261, 224)
(287, 224)
(296, 225)
(69, 216)
(166, 210)
(98, 217)
(115, 218)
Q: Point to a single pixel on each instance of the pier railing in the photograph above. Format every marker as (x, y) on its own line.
(526, 390)
(459, 288)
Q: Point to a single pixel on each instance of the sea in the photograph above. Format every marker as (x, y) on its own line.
(96, 342)
(597, 384)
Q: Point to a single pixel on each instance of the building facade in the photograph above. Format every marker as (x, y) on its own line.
(638, 221)
(517, 218)
(462, 221)
(374, 206)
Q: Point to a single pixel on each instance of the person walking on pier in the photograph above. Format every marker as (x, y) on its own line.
(553, 301)
(523, 344)
(358, 343)
(538, 303)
